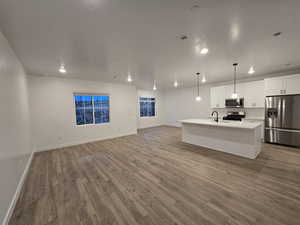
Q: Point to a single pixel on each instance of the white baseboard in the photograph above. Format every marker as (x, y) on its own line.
(149, 126)
(18, 191)
(173, 124)
(72, 143)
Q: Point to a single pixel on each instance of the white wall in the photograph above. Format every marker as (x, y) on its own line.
(14, 125)
(144, 122)
(180, 104)
(53, 111)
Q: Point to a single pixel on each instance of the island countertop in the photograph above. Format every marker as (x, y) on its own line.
(230, 124)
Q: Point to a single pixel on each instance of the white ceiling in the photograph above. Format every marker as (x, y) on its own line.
(103, 39)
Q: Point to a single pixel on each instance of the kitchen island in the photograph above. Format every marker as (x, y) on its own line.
(238, 138)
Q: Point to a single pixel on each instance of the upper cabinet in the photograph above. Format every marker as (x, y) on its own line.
(274, 86)
(252, 92)
(217, 97)
(292, 85)
(287, 85)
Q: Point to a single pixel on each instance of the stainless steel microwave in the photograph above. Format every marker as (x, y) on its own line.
(234, 103)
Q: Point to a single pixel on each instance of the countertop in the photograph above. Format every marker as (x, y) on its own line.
(230, 124)
(255, 118)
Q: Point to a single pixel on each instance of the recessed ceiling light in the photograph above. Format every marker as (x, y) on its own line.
(204, 51)
(251, 70)
(277, 34)
(62, 69)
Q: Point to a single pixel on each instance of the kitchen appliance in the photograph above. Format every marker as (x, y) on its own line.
(237, 116)
(234, 102)
(282, 120)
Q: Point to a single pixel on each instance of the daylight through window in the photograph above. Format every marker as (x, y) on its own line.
(91, 109)
(147, 107)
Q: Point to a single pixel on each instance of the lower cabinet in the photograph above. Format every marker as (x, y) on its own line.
(262, 126)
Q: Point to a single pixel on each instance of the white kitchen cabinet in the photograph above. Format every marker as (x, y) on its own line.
(217, 97)
(292, 85)
(229, 89)
(287, 85)
(262, 126)
(240, 87)
(274, 86)
(254, 94)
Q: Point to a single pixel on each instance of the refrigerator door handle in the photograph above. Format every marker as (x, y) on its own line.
(279, 129)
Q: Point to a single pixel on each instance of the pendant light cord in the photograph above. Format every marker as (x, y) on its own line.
(234, 81)
(198, 75)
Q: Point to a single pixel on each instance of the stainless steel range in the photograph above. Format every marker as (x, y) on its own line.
(282, 120)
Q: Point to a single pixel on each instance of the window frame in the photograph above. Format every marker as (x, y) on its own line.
(93, 105)
(151, 100)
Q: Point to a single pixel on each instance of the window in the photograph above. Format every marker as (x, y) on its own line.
(91, 109)
(147, 107)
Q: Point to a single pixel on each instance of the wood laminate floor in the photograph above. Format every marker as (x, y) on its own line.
(153, 178)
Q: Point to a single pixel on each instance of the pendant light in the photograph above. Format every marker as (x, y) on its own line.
(251, 70)
(198, 97)
(154, 86)
(62, 69)
(234, 94)
(175, 80)
(129, 78)
(175, 83)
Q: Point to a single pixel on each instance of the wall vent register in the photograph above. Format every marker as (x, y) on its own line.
(91, 109)
(147, 107)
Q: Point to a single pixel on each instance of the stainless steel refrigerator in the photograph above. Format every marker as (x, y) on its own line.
(282, 120)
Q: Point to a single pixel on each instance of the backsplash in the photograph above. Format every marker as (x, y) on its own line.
(250, 112)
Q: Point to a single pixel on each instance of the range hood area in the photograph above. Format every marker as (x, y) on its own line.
(234, 103)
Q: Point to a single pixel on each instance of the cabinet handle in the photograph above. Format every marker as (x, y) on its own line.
(282, 91)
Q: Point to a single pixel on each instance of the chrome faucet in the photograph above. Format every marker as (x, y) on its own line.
(217, 118)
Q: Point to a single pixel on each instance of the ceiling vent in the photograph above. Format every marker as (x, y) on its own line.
(183, 37)
(277, 34)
